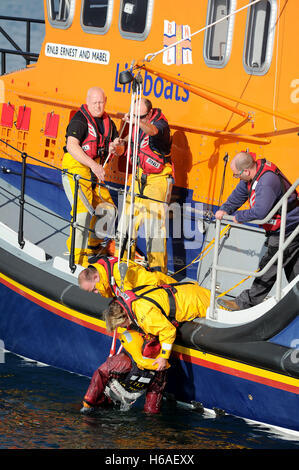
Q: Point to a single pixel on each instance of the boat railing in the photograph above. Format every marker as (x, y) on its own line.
(277, 257)
(27, 55)
(73, 224)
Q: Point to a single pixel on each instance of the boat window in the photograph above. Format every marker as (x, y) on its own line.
(135, 18)
(259, 39)
(218, 38)
(96, 15)
(61, 12)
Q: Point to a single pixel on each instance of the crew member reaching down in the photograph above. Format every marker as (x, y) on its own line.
(125, 377)
(263, 185)
(159, 311)
(103, 277)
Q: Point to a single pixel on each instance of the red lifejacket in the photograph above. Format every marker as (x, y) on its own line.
(264, 166)
(108, 263)
(96, 144)
(150, 159)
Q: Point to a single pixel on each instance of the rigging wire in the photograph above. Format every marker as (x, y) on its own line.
(149, 57)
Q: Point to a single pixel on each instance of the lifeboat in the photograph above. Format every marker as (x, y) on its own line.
(224, 88)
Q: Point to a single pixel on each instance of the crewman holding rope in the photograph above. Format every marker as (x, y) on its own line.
(154, 180)
(90, 138)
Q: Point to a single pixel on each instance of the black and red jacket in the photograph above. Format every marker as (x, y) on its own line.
(96, 144)
(151, 159)
(264, 166)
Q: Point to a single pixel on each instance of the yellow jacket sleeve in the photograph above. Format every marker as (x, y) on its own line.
(152, 321)
(103, 285)
(139, 276)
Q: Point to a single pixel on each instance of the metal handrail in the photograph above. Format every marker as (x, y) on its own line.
(283, 244)
(27, 55)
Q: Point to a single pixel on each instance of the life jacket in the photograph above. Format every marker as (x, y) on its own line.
(151, 160)
(108, 263)
(96, 144)
(126, 389)
(264, 166)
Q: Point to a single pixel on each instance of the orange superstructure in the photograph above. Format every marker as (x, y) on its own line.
(230, 102)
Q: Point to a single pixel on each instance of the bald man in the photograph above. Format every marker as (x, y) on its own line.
(90, 136)
(263, 185)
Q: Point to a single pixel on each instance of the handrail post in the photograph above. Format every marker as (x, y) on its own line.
(21, 240)
(213, 313)
(73, 225)
(28, 27)
(280, 251)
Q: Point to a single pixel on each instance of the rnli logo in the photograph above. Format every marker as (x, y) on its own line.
(180, 35)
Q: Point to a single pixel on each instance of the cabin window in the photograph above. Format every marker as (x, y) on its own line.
(259, 39)
(96, 15)
(218, 38)
(135, 18)
(61, 12)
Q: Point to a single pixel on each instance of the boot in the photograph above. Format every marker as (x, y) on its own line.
(153, 403)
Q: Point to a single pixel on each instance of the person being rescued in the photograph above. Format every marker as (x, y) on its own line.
(126, 376)
(158, 311)
(103, 277)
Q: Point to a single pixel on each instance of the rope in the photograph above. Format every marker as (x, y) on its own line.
(122, 228)
(236, 285)
(151, 56)
(134, 165)
(207, 249)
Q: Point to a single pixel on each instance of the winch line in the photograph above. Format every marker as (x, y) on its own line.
(134, 165)
(149, 57)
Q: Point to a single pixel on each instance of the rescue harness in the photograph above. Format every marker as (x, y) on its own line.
(126, 299)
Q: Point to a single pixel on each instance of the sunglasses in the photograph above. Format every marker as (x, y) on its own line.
(143, 115)
(237, 175)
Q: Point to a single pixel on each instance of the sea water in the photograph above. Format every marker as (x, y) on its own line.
(40, 405)
(40, 409)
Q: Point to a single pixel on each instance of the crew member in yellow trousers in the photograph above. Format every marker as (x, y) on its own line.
(89, 140)
(158, 312)
(154, 180)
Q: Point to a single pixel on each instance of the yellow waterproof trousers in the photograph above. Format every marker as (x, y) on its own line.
(89, 196)
(150, 213)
